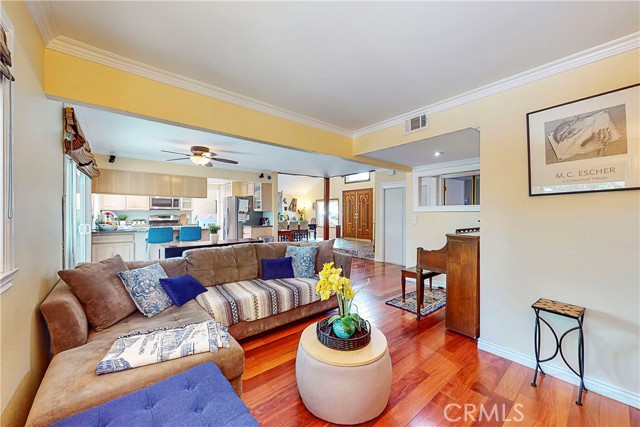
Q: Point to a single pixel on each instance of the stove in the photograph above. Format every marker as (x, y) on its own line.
(164, 221)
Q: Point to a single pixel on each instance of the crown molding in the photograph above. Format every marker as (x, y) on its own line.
(44, 18)
(5, 21)
(594, 54)
(91, 53)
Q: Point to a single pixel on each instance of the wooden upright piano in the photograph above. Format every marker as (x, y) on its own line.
(459, 259)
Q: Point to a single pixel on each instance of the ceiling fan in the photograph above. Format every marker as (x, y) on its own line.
(200, 156)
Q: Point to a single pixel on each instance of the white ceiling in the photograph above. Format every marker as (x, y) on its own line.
(460, 145)
(348, 64)
(126, 136)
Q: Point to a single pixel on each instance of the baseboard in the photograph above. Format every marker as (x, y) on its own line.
(597, 386)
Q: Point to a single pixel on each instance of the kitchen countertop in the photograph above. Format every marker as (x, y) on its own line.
(130, 229)
(258, 226)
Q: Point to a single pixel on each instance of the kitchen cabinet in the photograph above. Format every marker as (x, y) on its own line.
(113, 202)
(150, 184)
(249, 232)
(188, 186)
(119, 202)
(262, 197)
(137, 203)
(108, 245)
(243, 189)
(186, 204)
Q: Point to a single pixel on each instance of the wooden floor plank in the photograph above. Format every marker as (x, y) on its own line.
(435, 373)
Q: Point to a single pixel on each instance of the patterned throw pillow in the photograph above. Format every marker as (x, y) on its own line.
(143, 284)
(303, 260)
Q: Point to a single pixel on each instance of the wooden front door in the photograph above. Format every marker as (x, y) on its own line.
(357, 214)
(349, 213)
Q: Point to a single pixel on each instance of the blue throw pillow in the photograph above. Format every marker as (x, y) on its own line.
(277, 268)
(182, 289)
(303, 260)
(143, 284)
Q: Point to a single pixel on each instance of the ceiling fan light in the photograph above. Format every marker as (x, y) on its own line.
(199, 160)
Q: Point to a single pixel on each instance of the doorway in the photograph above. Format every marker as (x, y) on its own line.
(77, 215)
(394, 224)
(357, 213)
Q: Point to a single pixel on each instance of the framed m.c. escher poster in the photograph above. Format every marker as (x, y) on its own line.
(592, 144)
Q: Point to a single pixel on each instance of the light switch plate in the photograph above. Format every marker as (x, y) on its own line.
(414, 219)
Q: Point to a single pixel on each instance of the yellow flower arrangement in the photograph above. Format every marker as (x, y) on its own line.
(331, 280)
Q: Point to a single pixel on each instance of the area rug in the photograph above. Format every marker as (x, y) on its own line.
(433, 300)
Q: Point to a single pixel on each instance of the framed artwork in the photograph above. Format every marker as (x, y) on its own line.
(592, 144)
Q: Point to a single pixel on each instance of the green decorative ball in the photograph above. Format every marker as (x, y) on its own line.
(342, 332)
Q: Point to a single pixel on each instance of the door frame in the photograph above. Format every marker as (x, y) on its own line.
(386, 186)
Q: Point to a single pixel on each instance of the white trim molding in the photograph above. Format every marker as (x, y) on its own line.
(594, 385)
(588, 56)
(99, 56)
(44, 18)
(8, 270)
(6, 279)
(54, 40)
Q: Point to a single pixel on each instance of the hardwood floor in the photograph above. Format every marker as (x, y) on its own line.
(432, 368)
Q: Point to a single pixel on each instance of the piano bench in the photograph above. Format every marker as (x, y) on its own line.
(413, 274)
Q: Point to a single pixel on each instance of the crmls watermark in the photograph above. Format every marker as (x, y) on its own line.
(473, 412)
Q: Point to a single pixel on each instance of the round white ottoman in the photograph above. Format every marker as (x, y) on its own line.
(343, 387)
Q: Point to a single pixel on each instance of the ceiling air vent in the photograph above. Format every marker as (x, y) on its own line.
(416, 123)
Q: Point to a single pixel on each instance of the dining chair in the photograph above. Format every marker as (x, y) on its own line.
(190, 234)
(158, 235)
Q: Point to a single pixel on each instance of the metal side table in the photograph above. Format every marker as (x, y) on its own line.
(566, 310)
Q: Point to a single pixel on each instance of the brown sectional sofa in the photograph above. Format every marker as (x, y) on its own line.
(70, 384)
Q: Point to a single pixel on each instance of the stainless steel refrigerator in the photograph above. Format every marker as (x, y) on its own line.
(239, 212)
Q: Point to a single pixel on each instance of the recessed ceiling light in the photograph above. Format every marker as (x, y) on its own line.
(438, 153)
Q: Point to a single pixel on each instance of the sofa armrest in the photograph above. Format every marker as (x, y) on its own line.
(343, 261)
(65, 317)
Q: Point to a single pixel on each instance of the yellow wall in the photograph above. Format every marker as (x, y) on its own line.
(38, 223)
(579, 248)
(76, 80)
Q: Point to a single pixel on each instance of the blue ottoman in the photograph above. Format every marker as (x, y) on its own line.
(201, 396)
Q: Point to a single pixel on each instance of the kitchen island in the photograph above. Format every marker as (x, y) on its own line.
(129, 242)
(256, 231)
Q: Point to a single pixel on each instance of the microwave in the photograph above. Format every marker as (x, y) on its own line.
(164, 203)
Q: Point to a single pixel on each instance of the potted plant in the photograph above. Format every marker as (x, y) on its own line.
(213, 233)
(346, 323)
(122, 218)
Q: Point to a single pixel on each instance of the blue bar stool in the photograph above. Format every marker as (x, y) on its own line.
(190, 234)
(157, 235)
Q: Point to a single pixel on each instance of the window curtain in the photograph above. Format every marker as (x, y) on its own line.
(5, 56)
(76, 145)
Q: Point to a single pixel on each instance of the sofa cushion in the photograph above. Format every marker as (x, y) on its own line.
(172, 266)
(277, 268)
(70, 384)
(250, 300)
(100, 291)
(214, 266)
(304, 260)
(325, 252)
(143, 284)
(66, 319)
(270, 250)
(199, 396)
(182, 288)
